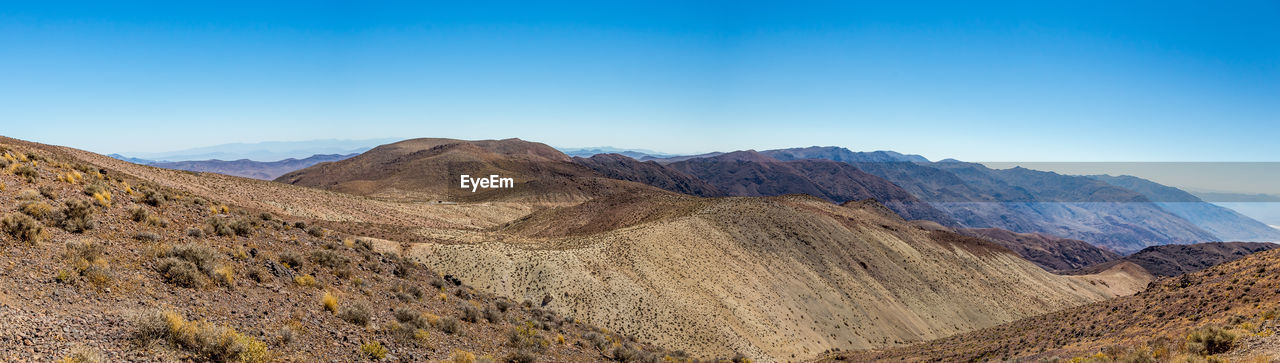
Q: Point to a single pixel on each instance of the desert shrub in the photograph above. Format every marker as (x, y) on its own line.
(224, 276)
(520, 357)
(208, 341)
(1210, 340)
(330, 259)
(220, 227)
(363, 245)
(300, 225)
(26, 171)
(266, 216)
(407, 292)
(355, 313)
(202, 257)
(95, 188)
(493, 316)
(83, 355)
(437, 283)
(195, 232)
(403, 267)
(152, 197)
(85, 260)
(23, 228)
(178, 272)
(329, 302)
(450, 325)
(462, 356)
(305, 280)
(411, 318)
(242, 226)
(503, 305)
(525, 336)
(470, 314)
(627, 353)
(100, 194)
(28, 194)
(37, 210)
(147, 236)
(48, 193)
(316, 231)
(76, 216)
(373, 350)
(596, 340)
(291, 259)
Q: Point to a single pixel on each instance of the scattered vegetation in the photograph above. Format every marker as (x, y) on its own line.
(187, 265)
(85, 260)
(330, 302)
(207, 340)
(373, 350)
(1210, 340)
(23, 228)
(355, 313)
(76, 216)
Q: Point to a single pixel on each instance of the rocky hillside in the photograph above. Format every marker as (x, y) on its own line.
(1227, 311)
(622, 167)
(1174, 260)
(99, 263)
(749, 173)
(1024, 200)
(1050, 252)
(265, 170)
(780, 278)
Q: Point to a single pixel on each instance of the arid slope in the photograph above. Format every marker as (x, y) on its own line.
(780, 278)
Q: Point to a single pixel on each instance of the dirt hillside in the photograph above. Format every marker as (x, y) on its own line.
(1229, 311)
(781, 278)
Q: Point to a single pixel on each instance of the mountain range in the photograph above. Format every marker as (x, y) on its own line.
(579, 259)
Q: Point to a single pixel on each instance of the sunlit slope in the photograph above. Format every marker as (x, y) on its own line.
(783, 278)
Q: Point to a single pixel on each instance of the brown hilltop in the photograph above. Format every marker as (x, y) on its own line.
(429, 170)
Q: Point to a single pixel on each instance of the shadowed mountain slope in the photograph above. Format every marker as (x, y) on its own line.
(1049, 252)
(1027, 201)
(622, 167)
(1173, 260)
(1226, 224)
(749, 173)
(264, 170)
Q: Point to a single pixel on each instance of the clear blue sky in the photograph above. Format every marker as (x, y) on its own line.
(1009, 81)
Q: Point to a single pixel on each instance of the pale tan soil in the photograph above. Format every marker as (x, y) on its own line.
(775, 278)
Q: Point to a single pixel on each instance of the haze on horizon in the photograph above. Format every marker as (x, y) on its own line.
(1097, 81)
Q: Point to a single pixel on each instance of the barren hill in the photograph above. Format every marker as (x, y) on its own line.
(430, 170)
(1226, 311)
(101, 264)
(779, 278)
(1050, 252)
